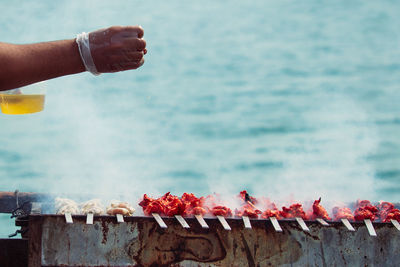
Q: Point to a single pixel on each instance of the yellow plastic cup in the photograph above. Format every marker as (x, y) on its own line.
(24, 100)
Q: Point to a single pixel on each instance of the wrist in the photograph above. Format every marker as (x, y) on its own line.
(77, 65)
(82, 41)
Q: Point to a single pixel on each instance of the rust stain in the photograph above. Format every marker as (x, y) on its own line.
(163, 247)
(250, 257)
(166, 247)
(273, 248)
(104, 229)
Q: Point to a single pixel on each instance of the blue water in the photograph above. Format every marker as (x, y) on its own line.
(287, 99)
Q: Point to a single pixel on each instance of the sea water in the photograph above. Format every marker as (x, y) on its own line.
(287, 99)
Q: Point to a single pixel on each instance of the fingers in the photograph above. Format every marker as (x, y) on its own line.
(125, 31)
(134, 30)
(134, 44)
(132, 56)
(133, 65)
(125, 55)
(121, 66)
(120, 34)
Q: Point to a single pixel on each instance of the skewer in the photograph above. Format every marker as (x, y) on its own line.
(302, 224)
(120, 218)
(396, 224)
(348, 224)
(89, 218)
(159, 220)
(246, 222)
(201, 221)
(275, 224)
(322, 222)
(251, 204)
(68, 217)
(370, 227)
(182, 221)
(224, 222)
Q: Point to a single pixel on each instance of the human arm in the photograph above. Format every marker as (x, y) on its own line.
(113, 49)
(29, 63)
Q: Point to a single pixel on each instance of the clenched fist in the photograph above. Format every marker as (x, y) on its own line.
(117, 48)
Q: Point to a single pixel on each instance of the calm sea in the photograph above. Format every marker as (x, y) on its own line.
(287, 99)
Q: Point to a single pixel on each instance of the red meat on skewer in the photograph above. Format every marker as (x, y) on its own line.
(248, 208)
(221, 211)
(388, 212)
(342, 213)
(172, 205)
(193, 205)
(168, 204)
(151, 205)
(318, 211)
(295, 210)
(247, 198)
(214, 206)
(272, 212)
(365, 210)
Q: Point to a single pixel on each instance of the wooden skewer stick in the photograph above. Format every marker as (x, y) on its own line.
(275, 224)
(120, 218)
(396, 224)
(246, 222)
(89, 218)
(201, 221)
(68, 217)
(182, 221)
(224, 222)
(302, 224)
(251, 204)
(322, 222)
(159, 220)
(370, 227)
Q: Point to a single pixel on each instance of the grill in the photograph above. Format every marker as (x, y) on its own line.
(141, 241)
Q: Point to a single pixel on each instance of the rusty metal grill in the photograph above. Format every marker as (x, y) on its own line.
(48, 240)
(139, 241)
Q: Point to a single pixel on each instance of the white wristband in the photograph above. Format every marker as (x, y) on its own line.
(84, 49)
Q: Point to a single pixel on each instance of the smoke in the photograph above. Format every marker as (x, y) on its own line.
(87, 160)
(329, 160)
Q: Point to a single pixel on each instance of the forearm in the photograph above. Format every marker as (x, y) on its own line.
(25, 64)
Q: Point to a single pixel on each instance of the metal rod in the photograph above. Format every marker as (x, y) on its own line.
(182, 221)
(224, 223)
(275, 224)
(322, 222)
(370, 227)
(348, 224)
(159, 220)
(302, 224)
(396, 224)
(68, 217)
(246, 222)
(89, 218)
(120, 218)
(201, 221)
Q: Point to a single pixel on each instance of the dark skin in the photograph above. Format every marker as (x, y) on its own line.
(113, 49)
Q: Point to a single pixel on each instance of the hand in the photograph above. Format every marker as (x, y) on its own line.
(117, 48)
